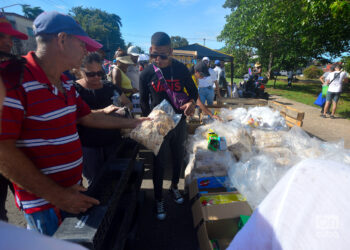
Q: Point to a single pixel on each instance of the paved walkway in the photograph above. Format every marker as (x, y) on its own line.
(324, 128)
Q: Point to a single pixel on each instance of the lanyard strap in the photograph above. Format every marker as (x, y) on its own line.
(169, 92)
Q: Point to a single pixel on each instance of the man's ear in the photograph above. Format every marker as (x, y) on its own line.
(61, 40)
(171, 51)
(150, 50)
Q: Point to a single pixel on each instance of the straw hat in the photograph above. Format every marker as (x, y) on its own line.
(124, 59)
(257, 64)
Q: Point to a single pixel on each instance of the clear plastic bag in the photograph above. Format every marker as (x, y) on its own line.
(263, 138)
(151, 133)
(256, 117)
(205, 163)
(255, 178)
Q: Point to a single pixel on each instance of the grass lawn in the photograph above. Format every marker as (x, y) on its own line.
(307, 92)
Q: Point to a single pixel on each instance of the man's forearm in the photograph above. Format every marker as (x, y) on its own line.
(98, 119)
(18, 168)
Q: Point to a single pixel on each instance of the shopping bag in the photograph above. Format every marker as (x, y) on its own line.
(324, 90)
(320, 100)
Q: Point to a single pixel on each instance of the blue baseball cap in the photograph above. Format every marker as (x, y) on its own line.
(217, 62)
(54, 22)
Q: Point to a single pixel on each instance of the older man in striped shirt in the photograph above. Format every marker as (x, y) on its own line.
(40, 150)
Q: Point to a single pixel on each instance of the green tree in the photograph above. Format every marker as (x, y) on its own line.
(240, 60)
(254, 24)
(287, 34)
(178, 41)
(326, 26)
(100, 25)
(30, 12)
(346, 62)
(313, 72)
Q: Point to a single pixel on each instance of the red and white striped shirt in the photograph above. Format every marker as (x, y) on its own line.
(43, 122)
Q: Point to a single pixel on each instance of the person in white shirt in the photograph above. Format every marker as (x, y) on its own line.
(323, 81)
(133, 71)
(213, 75)
(205, 83)
(221, 78)
(335, 81)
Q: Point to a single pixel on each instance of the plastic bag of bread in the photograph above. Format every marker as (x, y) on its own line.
(266, 138)
(151, 133)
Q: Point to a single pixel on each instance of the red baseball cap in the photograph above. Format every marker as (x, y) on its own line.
(6, 28)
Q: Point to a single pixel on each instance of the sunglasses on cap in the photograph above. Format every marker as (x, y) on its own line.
(163, 57)
(92, 74)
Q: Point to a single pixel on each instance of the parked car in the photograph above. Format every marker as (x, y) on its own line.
(298, 72)
(283, 72)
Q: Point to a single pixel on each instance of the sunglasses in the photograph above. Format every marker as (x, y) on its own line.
(163, 57)
(92, 74)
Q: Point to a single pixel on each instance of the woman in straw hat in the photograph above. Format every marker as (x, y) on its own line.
(257, 69)
(119, 76)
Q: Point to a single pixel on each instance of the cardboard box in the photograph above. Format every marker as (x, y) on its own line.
(213, 184)
(218, 222)
(223, 231)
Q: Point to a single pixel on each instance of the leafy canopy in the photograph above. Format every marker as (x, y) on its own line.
(31, 12)
(101, 26)
(287, 34)
(178, 41)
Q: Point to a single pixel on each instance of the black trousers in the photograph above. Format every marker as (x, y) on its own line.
(172, 152)
(4, 184)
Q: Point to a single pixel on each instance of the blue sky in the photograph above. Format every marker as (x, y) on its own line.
(192, 19)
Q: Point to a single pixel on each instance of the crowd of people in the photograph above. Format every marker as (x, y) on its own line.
(64, 105)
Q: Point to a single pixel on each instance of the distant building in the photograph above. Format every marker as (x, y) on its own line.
(24, 25)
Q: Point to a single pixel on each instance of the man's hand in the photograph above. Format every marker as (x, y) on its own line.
(188, 108)
(72, 201)
(110, 109)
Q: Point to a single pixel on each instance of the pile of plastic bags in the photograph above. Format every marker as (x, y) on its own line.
(259, 152)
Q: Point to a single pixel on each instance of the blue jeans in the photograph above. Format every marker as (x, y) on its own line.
(206, 94)
(44, 222)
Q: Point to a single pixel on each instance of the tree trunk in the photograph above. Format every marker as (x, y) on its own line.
(269, 75)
